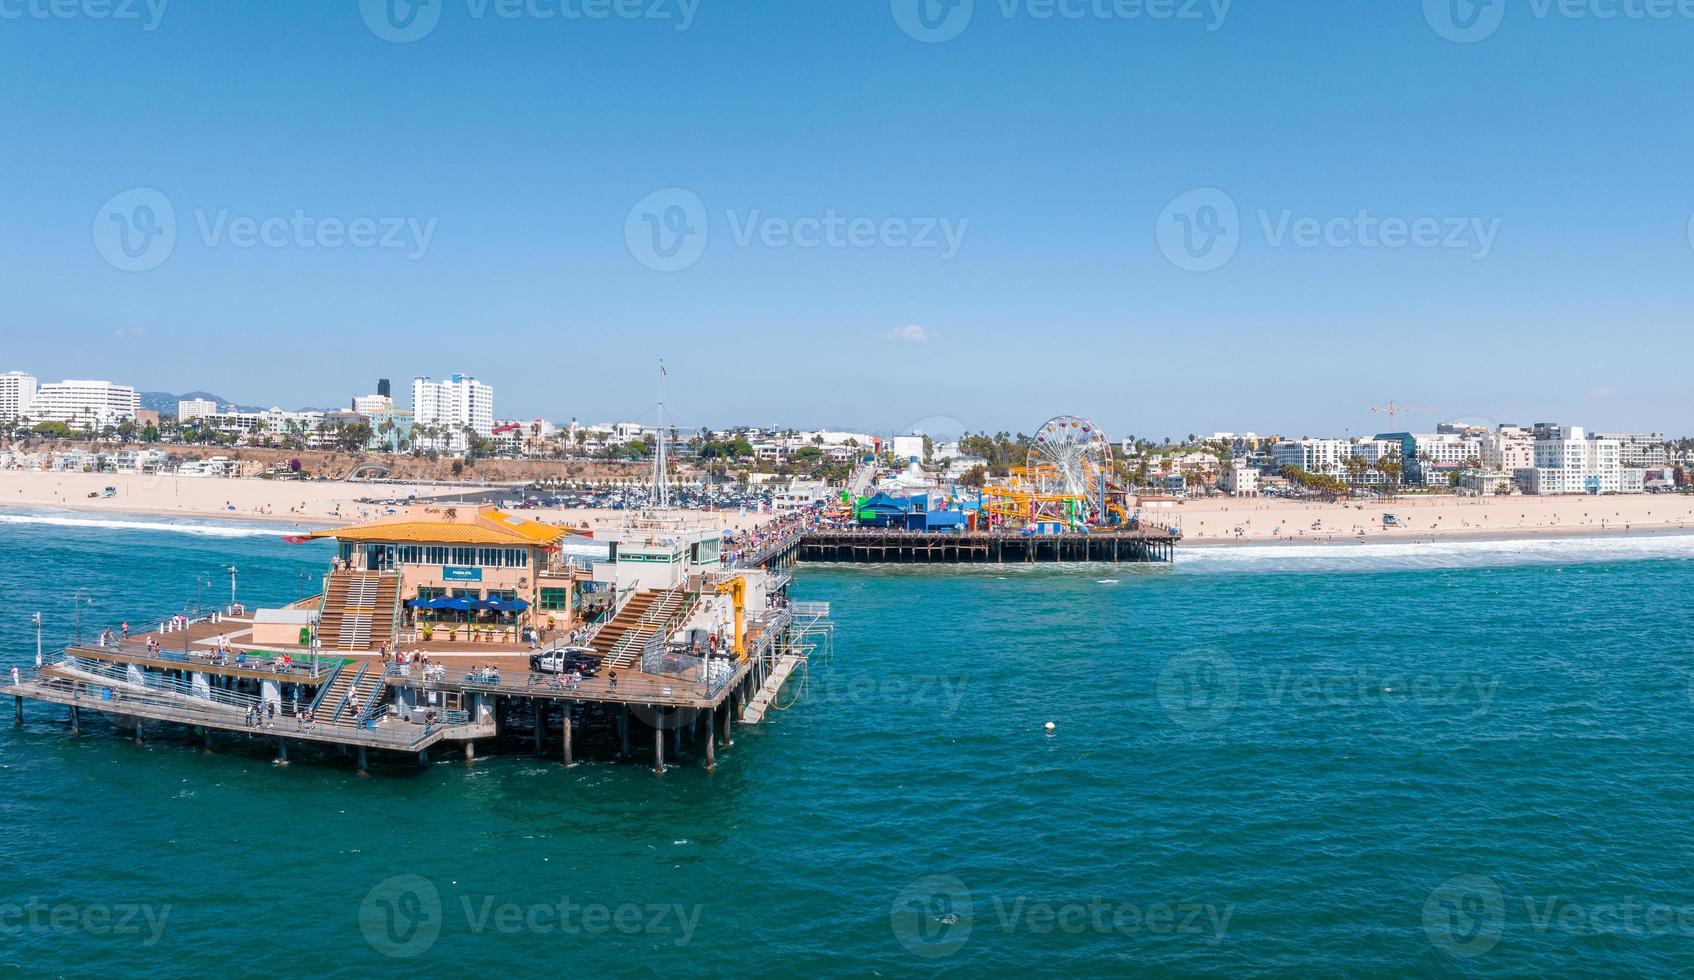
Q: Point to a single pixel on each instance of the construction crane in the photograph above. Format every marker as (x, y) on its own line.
(1393, 411)
(736, 589)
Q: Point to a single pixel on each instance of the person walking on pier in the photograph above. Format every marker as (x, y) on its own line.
(15, 677)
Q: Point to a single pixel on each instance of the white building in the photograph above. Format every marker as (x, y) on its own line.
(453, 405)
(1240, 479)
(86, 404)
(1639, 450)
(1507, 449)
(17, 395)
(188, 409)
(1312, 455)
(1570, 462)
(372, 404)
(908, 447)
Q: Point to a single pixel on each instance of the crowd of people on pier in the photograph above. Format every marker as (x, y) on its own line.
(748, 544)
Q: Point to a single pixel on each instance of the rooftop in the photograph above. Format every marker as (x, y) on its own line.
(451, 525)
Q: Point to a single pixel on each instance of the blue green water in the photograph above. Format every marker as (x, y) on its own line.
(1468, 759)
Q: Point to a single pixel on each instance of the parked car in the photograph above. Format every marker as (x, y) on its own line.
(563, 660)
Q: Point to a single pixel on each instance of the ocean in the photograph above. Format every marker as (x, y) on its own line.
(1456, 758)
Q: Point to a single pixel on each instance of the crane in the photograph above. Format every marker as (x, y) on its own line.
(1393, 411)
(736, 589)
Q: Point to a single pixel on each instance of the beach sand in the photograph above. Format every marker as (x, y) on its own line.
(1228, 520)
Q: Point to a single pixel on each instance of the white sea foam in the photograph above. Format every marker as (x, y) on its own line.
(1433, 554)
(219, 530)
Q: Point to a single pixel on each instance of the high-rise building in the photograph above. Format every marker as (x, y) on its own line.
(87, 404)
(1570, 462)
(383, 388)
(188, 409)
(451, 406)
(17, 395)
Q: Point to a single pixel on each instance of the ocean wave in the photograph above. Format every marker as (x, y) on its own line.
(1482, 553)
(221, 530)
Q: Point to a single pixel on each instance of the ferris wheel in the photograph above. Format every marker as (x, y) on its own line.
(1068, 457)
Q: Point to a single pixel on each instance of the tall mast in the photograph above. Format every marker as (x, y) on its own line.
(661, 495)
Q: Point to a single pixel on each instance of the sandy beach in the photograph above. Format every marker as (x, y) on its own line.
(1214, 521)
(1226, 520)
(301, 504)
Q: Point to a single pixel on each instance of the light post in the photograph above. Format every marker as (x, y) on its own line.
(232, 588)
(79, 597)
(37, 620)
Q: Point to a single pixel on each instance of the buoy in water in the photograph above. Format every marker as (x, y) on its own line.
(1050, 727)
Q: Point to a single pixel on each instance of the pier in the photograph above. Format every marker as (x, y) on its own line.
(876, 545)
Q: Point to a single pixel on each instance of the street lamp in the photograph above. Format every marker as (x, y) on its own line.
(231, 588)
(79, 597)
(37, 619)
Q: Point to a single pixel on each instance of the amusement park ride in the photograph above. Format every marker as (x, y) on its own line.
(1067, 481)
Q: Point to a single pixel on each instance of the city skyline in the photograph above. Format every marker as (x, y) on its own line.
(1195, 227)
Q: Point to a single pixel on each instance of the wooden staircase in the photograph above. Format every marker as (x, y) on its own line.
(620, 641)
(356, 686)
(360, 610)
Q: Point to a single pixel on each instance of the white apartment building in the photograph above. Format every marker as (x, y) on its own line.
(372, 404)
(188, 409)
(1570, 462)
(1639, 450)
(17, 395)
(1240, 479)
(1312, 455)
(1507, 450)
(908, 447)
(86, 404)
(453, 405)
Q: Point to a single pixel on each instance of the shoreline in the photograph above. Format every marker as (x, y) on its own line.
(1339, 542)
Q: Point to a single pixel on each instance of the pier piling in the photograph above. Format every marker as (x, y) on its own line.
(281, 752)
(565, 734)
(470, 750)
(76, 720)
(20, 709)
(712, 742)
(364, 770)
(658, 746)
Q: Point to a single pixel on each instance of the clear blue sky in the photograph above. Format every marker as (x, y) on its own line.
(527, 141)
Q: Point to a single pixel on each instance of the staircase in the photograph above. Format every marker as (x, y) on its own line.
(359, 688)
(620, 641)
(361, 610)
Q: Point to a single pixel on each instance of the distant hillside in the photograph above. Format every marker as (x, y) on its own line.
(164, 402)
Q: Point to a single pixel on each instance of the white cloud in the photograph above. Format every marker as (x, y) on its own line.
(129, 332)
(911, 333)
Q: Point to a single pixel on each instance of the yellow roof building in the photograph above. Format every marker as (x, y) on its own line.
(482, 526)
